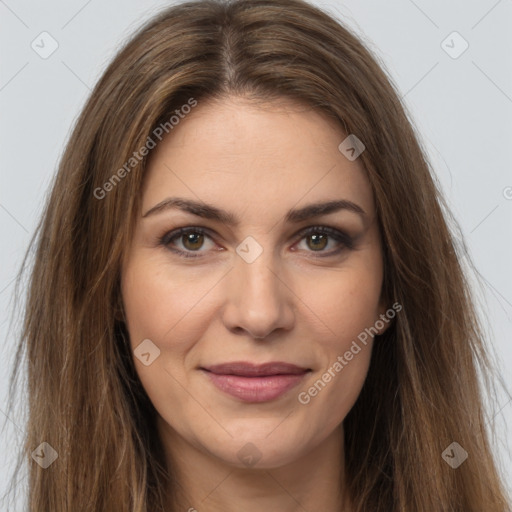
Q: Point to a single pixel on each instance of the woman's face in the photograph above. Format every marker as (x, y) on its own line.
(253, 281)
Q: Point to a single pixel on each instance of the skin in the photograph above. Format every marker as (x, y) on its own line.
(290, 304)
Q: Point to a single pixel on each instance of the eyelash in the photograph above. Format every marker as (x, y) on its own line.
(342, 238)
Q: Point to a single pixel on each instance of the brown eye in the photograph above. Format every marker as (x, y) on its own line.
(318, 242)
(187, 242)
(325, 241)
(192, 241)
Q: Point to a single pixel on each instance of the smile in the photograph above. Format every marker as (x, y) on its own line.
(255, 383)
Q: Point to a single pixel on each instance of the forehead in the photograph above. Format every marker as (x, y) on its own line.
(235, 152)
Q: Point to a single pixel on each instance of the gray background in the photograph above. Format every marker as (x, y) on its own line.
(462, 107)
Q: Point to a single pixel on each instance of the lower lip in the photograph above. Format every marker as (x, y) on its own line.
(255, 389)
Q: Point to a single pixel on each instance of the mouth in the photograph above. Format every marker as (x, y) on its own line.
(255, 383)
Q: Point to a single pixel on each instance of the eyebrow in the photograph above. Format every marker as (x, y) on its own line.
(208, 211)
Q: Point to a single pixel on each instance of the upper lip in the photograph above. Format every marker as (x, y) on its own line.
(245, 369)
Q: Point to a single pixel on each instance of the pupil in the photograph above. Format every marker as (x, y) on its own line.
(193, 239)
(319, 238)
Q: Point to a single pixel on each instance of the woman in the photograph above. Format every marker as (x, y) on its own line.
(245, 293)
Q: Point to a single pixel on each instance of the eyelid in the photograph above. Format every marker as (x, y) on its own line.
(327, 230)
(346, 241)
(175, 233)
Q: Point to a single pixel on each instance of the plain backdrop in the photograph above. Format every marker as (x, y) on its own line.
(459, 98)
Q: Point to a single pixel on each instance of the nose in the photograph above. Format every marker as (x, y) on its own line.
(259, 301)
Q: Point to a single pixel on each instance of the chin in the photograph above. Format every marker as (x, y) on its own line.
(252, 450)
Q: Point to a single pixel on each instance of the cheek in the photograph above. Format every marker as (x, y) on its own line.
(162, 305)
(334, 391)
(345, 354)
(172, 310)
(343, 302)
(345, 307)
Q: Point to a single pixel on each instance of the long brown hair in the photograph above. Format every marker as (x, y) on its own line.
(85, 400)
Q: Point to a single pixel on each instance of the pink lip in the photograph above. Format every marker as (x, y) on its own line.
(255, 383)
